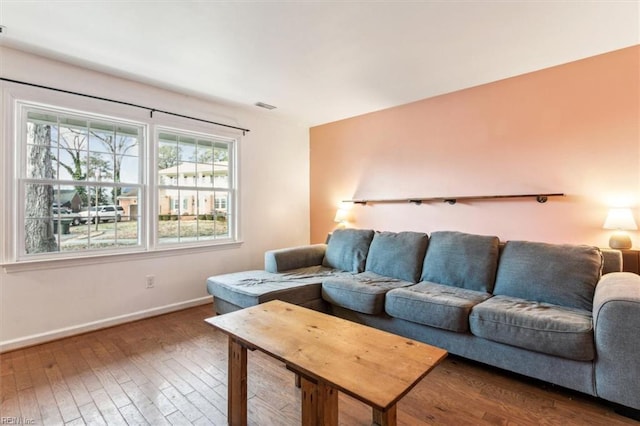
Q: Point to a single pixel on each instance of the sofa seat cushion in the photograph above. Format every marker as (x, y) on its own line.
(435, 305)
(397, 255)
(560, 274)
(362, 292)
(347, 249)
(250, 288)
(462, 260)
(540, 327)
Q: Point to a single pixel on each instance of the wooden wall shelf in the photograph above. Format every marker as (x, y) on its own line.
(541, 198)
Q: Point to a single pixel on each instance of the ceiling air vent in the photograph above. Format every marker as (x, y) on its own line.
(265, 106)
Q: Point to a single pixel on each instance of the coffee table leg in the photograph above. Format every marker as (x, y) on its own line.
(319, 404)
(237, 385)
(327, 405)
(385, 418)
(309, 396)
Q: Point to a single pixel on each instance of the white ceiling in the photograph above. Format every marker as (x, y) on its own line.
(319, 61)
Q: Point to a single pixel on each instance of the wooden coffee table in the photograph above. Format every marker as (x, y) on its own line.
(329, 354)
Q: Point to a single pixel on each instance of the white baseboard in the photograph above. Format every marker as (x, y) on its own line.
(36, 339)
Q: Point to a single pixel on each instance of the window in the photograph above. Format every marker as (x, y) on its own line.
(82, 185)
(83, 164)
(205, 187)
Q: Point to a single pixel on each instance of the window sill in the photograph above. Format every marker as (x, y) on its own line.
(45, 264)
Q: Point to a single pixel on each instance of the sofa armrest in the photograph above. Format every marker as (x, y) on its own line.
(294, 257)
(616, 319)
(612, 260)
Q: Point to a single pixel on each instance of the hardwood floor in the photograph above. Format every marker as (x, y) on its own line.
(171, 369)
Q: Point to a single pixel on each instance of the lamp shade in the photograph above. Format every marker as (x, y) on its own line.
(620, 219)
(341, 216)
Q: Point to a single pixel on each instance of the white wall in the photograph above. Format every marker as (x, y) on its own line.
(41, 303)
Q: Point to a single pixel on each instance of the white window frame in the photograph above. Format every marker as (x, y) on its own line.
(12, 256)
(192, 181)
(19, 181)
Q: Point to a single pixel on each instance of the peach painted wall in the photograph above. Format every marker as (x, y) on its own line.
(573, 128)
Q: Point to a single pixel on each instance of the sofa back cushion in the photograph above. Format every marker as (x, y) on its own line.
(560, 274)
(397, 254)
(347, 249)
(462, 260)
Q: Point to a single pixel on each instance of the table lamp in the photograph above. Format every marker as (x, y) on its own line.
(621, 220)
(341, 218)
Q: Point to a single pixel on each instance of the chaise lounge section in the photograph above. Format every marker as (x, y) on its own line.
(560, 313)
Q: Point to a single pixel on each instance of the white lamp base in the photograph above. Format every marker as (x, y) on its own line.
(620, 240)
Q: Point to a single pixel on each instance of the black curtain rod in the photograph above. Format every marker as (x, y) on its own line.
(151, 110)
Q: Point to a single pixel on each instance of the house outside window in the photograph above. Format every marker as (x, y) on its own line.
(197, 169)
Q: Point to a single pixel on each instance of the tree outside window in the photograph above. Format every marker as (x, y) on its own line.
(64, 152)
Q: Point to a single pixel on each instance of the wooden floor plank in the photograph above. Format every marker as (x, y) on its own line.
(212, 414)
(114, 346)
(115, 369)
(21, 371)
(218, 398)
(202, 357)
(133, 416)
(107, 407)
(91, 415)
(146, 406)
(262, 412)
(159, 399)
(186, 367)
(108, 383)
(46, 402)
(170, 377)
(76, 386)
(64, 399)
(77, 422)
(6, 364)
(9, 400)
(188, 410)
(83, 370)
(28, 406)
(196, 382)
(148, 371)
(172, 369)
(178, 419)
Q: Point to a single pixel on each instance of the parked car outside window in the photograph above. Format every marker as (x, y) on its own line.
(103, 214)
(66, 213)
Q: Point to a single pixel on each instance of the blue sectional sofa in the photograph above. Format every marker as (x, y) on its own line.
(564, 314)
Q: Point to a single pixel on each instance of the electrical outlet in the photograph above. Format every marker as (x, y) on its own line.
(151, 281)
